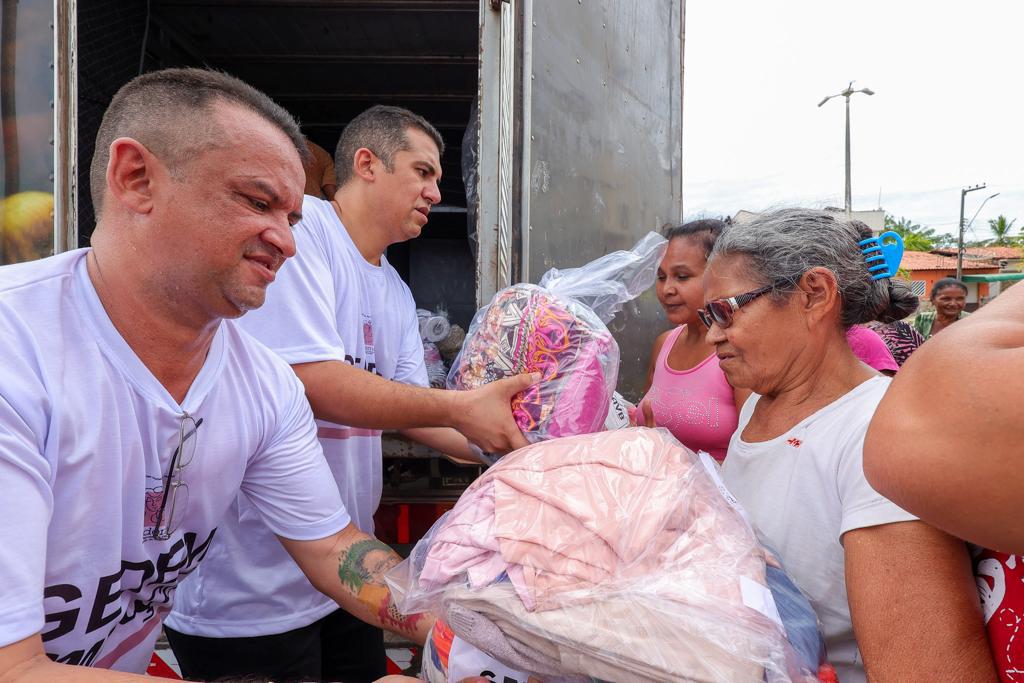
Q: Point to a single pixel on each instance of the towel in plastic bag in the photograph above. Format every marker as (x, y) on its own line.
(611, 556)
(557, 328)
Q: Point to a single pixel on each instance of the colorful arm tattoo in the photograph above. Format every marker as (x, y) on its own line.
(361, 568)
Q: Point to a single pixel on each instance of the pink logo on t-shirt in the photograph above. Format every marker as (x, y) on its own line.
(153, 498)
(794, 442)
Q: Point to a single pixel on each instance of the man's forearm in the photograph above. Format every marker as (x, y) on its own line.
(361, 570)
(447, 441)
(346, 395)
(331, 387)
(25, 662)
(349, 566)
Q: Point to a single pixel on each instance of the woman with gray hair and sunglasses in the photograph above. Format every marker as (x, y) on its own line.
(895, 597)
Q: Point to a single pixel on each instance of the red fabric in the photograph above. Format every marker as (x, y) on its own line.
(158, 668)
(442, 639)
(827, 674)
(1000, 579)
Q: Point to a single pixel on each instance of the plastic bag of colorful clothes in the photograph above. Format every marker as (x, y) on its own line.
(612, 556)
(557, 328)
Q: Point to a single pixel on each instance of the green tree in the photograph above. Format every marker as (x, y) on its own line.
(915, 238)
(1001, 228)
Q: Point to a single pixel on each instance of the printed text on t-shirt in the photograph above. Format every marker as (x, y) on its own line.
(151, 584)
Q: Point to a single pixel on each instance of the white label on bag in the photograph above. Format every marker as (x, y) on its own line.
(712, 469)
(466, 661)
(758, 597)
(618, 413)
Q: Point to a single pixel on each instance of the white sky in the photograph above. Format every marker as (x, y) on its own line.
(948, 109)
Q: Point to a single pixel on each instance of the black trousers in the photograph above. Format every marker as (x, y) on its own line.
(338, 647)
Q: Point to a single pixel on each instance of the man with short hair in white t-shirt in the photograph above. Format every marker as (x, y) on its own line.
(132, 414)
(337, 302)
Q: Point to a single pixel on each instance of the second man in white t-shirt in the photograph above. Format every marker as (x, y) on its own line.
(337, 303)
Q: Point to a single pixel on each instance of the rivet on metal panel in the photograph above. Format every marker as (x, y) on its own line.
(577, 60)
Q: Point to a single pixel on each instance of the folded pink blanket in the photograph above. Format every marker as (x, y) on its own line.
(610, 553)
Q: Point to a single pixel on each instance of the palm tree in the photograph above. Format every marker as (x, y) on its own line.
(1001, 228)
(915, 238)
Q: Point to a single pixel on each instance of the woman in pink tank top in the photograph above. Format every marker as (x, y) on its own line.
(687, 393)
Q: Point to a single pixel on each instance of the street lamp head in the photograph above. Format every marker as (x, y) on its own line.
(847, 94)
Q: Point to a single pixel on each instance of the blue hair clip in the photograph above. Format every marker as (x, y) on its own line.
(883, 254)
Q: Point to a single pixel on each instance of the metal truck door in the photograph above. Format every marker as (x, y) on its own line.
(580, 142)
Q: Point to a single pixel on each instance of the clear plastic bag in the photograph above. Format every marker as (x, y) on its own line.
(611, 555)
(558, 329)
(605, 284)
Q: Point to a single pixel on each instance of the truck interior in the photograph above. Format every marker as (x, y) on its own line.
(325, 61)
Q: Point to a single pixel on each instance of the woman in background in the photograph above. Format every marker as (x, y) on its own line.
(686, 391)
(949, 296)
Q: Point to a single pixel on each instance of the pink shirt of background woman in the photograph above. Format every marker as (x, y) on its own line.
(870, 349)
(696, 405)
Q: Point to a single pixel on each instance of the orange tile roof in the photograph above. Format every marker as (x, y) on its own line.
(923, 260)
(1002, 253)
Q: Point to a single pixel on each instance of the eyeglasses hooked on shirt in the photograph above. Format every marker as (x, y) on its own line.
(175, 498)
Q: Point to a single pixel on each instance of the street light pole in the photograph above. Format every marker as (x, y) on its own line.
(977, 211)
(960, 237)
(849, 188)
(847, 93)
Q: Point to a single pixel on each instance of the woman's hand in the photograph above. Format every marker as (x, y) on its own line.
(644, 411)
(642, 415)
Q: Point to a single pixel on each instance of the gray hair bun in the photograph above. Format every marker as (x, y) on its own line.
(783, 245)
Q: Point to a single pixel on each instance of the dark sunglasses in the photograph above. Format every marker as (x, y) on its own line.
(720, 311)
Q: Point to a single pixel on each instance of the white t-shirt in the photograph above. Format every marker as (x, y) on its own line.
(86, 438)
(803, 490)
(328, 303)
